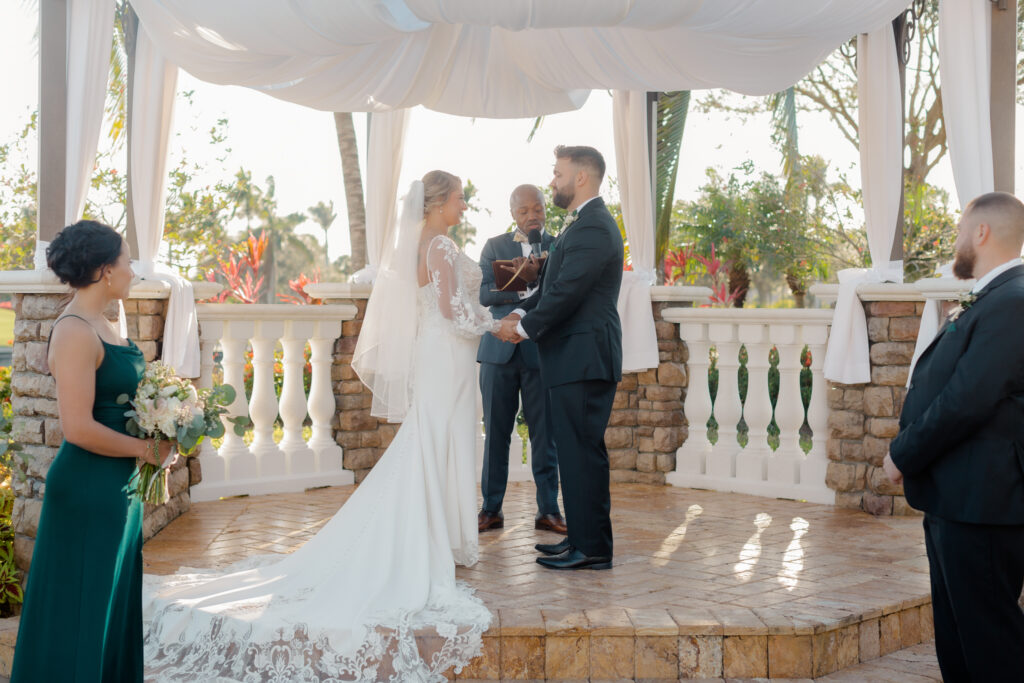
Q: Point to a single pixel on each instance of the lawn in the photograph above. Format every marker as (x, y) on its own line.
(6, 327)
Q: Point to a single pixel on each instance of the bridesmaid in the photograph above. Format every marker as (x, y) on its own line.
(82, 619)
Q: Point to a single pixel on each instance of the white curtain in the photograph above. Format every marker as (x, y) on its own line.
(383, 166)
(880, 122)
(90, 30)
(632, 160)
(516, 58)
(151, 122)
(965, 64)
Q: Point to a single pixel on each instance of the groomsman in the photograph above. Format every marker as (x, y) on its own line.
(576, 325)
(508, 371)
(960, 452)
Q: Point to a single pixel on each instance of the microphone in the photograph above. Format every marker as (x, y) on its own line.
(533, 237)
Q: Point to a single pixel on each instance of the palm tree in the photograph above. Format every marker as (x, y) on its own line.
(782, 106)
(671, 123)
(346, 131)
(324, 215)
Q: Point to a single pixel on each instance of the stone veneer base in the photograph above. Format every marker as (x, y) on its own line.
(617, 643)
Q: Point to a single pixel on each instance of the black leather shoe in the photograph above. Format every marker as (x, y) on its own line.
(550, 522)
(489, 520)
(575, 559)
(553, 548)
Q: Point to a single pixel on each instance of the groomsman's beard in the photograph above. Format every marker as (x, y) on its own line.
(963, 262)
(562, 199)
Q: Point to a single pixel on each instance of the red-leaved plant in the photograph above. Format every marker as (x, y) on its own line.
(298, 285)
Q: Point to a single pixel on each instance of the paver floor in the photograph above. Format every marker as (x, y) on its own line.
(673, 547)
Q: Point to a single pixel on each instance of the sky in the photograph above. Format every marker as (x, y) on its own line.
(298, 145)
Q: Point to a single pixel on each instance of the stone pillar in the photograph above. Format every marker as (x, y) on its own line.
(363, 437)
(647, 425)
(864, 418)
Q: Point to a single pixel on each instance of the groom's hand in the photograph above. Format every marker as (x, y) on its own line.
(891, 471)
(507, 331)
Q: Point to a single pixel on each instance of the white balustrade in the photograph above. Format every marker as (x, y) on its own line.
(756, 469)
(266, 466)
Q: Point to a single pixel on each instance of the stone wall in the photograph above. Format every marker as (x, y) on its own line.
(363, 437)
(864, 418)
(647, 425)
(645, 429)
(36, 425)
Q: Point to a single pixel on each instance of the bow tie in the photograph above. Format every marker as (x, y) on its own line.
(520, 237)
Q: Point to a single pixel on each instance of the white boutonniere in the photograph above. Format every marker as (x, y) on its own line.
(964, 301)
(569, 220)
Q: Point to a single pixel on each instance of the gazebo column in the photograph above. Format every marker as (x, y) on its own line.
(53, 124)
(1004, 91)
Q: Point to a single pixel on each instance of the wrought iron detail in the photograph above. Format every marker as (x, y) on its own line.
(906, 25)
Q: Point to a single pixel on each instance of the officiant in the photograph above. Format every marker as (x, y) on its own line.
(510, 371)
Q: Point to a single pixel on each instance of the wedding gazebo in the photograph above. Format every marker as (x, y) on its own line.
(518, 58)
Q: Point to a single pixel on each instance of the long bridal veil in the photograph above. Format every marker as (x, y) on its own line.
(383, 356)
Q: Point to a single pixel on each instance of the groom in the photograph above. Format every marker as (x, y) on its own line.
(960, 452)
(575, 323)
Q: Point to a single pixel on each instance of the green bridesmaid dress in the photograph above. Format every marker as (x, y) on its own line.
(82, 619)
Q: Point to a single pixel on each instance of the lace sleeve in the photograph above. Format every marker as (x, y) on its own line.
(456, 301)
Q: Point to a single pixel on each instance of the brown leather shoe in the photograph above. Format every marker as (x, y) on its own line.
(554, 523)
(489, 520)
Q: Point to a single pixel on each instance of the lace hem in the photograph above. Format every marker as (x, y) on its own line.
(402, 647)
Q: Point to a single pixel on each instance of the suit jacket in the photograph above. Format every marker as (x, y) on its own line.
(961, 440)
(492, 349)
(574, 319)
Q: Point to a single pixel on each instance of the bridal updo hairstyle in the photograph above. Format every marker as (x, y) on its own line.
(81, 249)
(437, 185)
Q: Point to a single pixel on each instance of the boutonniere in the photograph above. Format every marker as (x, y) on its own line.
(964, 301)
(569, 220)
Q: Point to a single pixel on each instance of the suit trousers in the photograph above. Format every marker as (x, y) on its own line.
(579, 417)
(977, 572)
(500, 387)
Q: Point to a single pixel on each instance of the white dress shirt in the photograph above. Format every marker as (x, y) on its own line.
(993, 274)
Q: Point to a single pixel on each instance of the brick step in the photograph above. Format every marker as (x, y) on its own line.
(627, 644)
(620, 644)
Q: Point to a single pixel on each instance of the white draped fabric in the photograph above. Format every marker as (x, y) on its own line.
(90, 29)
(965, 61)
(151, 120)
(632, 157)
(383, 166)
(880, 120)
(515, 58)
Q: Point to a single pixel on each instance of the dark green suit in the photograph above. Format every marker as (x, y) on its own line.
(505, 371)
(961, 452)
(575, 322)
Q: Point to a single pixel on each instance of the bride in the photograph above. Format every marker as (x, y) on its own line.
(350, 603)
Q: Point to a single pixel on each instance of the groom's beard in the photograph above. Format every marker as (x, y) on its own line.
(963, 262)
(563, 198)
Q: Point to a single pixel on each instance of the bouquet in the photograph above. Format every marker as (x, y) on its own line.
(169, 407)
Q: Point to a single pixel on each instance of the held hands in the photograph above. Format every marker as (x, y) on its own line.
(527, 268)
(507, 330)
(891, 471)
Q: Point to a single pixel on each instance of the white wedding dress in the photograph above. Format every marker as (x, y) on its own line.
(348, 604)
